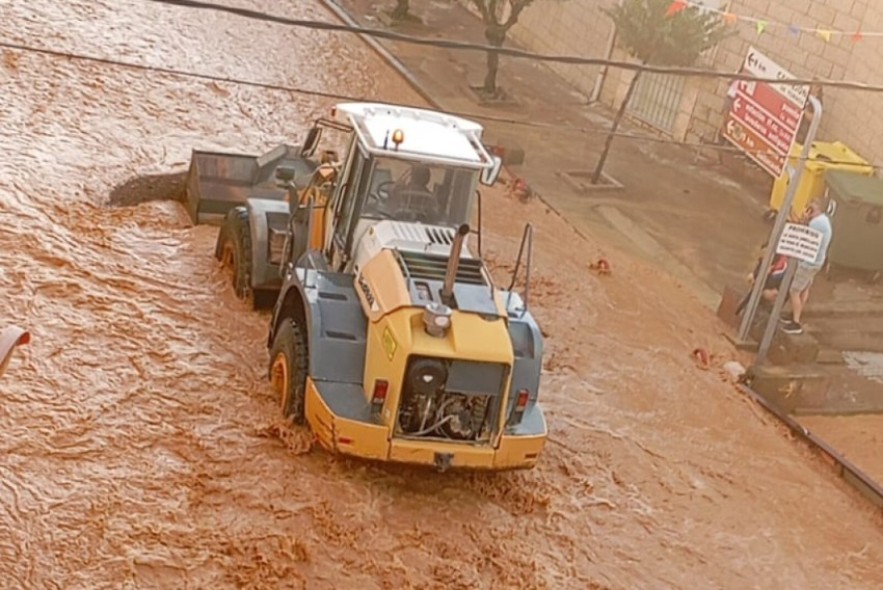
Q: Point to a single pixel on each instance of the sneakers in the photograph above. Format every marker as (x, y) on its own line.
(787, 318)
(792, 327)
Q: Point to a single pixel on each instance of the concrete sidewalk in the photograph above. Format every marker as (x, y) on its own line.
(679, 211)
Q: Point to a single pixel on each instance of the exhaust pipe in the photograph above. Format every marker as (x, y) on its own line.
(447, 293)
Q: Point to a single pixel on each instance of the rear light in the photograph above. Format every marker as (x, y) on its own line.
(381, 387)
(521, 403)
(521, 400)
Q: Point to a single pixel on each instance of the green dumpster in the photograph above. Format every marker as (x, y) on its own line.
(856, 211)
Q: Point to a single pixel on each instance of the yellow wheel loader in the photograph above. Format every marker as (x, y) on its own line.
(388, 337)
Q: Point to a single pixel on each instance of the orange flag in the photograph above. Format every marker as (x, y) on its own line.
(675, 7)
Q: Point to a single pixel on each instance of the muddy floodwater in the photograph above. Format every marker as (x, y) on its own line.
(140, 446)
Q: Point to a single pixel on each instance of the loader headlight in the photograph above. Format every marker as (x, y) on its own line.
(437, 319)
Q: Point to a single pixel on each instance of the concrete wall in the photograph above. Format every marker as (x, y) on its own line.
(567, 27)
(805, 56)
(854, 117)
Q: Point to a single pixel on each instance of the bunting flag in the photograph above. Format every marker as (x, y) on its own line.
(763, 25)
(675, 7)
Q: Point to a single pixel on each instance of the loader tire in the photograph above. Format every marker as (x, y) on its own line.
(234, 250)
(289, 359)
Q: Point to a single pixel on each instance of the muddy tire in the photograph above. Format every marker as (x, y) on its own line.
(234, 250)
(289, 359)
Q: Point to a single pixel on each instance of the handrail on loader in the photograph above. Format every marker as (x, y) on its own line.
(526, 239)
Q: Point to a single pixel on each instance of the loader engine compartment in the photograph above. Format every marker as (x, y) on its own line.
(451, 399)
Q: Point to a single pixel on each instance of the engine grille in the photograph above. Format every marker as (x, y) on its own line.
(438, 235)
(430, 267)
(410, 232)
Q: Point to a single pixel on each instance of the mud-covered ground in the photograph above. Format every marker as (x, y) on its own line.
(141, 447)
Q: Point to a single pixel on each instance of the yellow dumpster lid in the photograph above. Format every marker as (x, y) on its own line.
(854, 187)
(831, 155)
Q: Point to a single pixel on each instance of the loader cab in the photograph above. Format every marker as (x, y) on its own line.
(374, 188)
(433, 183)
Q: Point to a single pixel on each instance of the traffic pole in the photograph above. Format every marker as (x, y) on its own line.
(781, 220)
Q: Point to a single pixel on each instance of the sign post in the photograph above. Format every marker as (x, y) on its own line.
(775, 238)
(763, 122)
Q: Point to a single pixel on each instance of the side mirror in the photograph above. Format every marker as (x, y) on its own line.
(490, 175)
(285, 173)
(311, 142)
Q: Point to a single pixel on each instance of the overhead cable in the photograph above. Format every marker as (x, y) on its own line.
(512, 52)
(571, 129)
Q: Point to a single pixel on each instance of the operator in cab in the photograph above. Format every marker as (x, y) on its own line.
(414, 196)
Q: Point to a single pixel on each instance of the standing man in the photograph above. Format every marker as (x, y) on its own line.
(806, 272)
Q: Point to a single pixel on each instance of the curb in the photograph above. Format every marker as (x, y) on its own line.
(850, 473)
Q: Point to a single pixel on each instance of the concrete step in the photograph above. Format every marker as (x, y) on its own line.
(854, 340)
(873, 305)
(853, 332)
(819, 389)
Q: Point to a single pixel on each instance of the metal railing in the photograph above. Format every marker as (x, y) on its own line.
(854, 476)
(526, 241)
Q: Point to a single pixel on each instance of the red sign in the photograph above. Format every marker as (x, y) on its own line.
(751, 142)
(776, 133)
(773, 102)
(764, 118)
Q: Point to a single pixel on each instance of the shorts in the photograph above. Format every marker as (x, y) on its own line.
(803, 278)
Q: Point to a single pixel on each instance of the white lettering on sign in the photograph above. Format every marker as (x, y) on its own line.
(758, 64)
(764, 117)
(800, 242)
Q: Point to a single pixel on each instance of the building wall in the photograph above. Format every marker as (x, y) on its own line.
(805, 56)
(578, 27)
(567, 27)
(858, 115)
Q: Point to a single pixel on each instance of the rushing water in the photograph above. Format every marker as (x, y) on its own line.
(140, 445)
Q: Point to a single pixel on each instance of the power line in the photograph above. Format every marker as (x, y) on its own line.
(566, 59)
(349, 98)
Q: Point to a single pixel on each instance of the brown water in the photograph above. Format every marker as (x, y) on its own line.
(140, 446)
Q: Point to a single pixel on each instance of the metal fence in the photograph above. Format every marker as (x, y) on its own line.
(657, 100)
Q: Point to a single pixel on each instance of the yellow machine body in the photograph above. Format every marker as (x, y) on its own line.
(395, 333)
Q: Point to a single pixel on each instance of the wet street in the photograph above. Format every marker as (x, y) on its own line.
(140, 444)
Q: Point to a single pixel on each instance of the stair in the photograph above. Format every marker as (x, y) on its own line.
(848, 331)
(818, 389)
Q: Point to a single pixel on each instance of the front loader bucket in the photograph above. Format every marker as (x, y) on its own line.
(9, 339)
(217, 182)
